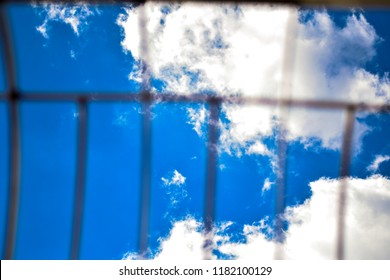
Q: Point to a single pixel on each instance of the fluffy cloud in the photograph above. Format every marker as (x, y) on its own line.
(330, 61)
(188, 234)
(367, 220)
(379, 159)
(240, 51)
(244, 128)
(312, 227)
(176, 179)
(73, 15)
(217, 44)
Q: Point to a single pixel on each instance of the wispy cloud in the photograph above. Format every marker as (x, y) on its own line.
(73, 15)
(379, 159)
(197, 118)
(174, 186)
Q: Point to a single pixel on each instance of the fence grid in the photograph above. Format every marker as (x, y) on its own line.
(146, 98)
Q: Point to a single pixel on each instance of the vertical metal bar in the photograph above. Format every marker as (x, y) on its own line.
(14, 140)
(146, 131)
(284, 110)
(211, 177)
(280, 192)
(145, 179)
(80, 179)
(346, 150)
(280, 187)
(14, 180)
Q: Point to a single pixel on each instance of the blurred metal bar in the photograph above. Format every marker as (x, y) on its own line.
(14, 180)
(307, 3)
(280, 193)
(211, 176)
(346, 151)
(78, 211)
(204, 98)
(281, 137)
(14, 138)
(146, 136)
(145, 179)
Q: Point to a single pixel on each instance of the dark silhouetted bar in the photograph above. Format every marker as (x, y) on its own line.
(146, 139)
(14, 138)
(79, 199)
(211, 176)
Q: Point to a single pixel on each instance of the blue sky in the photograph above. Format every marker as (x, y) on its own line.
(339, 55)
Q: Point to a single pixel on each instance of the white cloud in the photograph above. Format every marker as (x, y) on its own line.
(73, 15)
(331, 59)
(174, 188)
(258, 148)
(244, 129)
(379, 159)
(267, 185)
(367, 220)
(176, 179)
(229, 50)
(208, 41)
(188, 235)
(43, 30)
(197, 118)
(312, 227)
(136, 73)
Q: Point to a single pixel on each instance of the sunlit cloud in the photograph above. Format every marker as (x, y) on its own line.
(240, 51)
(311, 232)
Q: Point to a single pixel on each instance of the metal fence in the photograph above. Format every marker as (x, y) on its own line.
(146, 98)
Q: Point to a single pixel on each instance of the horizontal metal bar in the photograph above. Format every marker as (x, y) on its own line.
(202, 98)
(328, 3)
